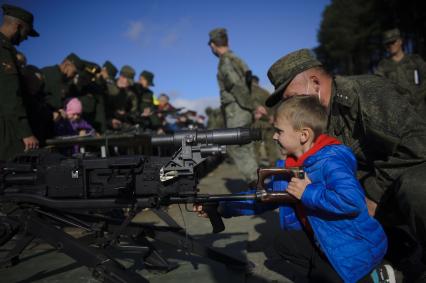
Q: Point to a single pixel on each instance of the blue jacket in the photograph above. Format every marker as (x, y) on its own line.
(353, 242)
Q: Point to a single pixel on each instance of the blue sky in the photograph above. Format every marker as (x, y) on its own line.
(170, 38)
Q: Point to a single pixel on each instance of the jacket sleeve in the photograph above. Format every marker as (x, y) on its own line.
(340, 192)
(246, 207)
(234, 83)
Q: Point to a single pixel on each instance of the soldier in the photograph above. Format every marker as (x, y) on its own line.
(15, 132)
(125, 102)
(107, 74)
(384, 131)
(406, 70)
(234, 83)
(58, 79)
(39, 113)
(263, 120)
(90, 90)
(145, 95)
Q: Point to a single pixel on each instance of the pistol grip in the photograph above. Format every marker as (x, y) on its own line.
(214, 217)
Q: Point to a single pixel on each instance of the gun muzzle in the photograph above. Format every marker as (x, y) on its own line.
(230, 136)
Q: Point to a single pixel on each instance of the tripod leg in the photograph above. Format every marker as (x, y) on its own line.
(153, 259)
(104, 267)
(12, 258)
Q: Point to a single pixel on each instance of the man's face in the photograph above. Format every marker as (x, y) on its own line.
(304, 84)
(143, 81)
(123, 82)
(21, 33)
(69, 70)
(214, 49)
(104, 73)
(394, 47)
(162, 100)
(287, 137)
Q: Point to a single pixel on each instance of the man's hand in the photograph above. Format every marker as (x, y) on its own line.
(371, 206)
(116, 124)
(260, 112)
(199, 209)
(297, 186)
(30, 142)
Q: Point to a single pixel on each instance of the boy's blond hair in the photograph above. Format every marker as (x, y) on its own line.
(304, 111)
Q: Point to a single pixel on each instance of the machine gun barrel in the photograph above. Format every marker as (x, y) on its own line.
(230, 136)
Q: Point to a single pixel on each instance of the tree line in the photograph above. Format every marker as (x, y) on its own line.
(350, 34)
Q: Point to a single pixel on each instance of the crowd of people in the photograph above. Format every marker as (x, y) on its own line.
(76, 96)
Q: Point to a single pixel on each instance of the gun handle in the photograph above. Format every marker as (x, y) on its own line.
(278, 197)
(288, 173)
(214, 217)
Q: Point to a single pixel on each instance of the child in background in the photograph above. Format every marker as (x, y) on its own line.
(70, 123)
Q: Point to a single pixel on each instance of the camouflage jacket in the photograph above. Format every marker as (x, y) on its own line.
(12, 107)
(231, 77)
(259, 94)
(409, 73)
(370, 115)
(144, 96)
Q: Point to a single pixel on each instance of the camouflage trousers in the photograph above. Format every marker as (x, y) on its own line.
(408, 199)
(242, 155)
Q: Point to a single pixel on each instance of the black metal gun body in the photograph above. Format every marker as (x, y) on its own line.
(47, 191)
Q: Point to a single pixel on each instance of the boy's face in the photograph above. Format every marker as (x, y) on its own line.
(287, 137)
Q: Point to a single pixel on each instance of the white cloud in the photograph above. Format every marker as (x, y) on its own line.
(170, 39)
(172, 34)
(134, 30)
(148, 33)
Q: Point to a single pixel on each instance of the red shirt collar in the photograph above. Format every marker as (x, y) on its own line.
(322, 141)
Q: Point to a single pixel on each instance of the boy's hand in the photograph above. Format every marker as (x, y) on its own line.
(297, 186)
(199, 209)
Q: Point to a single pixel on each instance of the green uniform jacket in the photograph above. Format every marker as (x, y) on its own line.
(13, 118)
(145, 99)
(235, 97)
(56, 87)
(373, 117)
(410, 73)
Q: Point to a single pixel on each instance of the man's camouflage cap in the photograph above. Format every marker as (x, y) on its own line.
(391, 35)
(111, 69)
(217, 34)
(148, 76)
(78, 63)
(23, 15)
(283, 71)
(127, 72)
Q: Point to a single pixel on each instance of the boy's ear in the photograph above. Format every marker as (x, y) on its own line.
(306, 134)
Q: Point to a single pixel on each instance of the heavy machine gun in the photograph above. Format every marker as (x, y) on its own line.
(49, 192)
